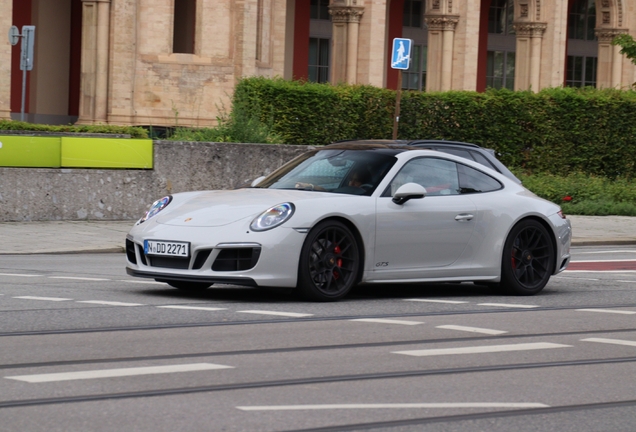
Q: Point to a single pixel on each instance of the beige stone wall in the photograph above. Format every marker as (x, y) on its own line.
(373, 44)
(150, 85)
(6, 6)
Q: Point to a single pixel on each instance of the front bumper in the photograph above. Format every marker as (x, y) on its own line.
(225, 255)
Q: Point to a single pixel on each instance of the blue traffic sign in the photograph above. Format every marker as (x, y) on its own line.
(401, 53)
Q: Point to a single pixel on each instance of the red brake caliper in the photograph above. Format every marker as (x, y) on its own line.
(337, 251)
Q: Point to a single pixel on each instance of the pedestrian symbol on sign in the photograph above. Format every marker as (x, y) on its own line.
(401, 53)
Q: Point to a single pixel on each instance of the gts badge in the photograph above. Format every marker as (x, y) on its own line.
(382, 264)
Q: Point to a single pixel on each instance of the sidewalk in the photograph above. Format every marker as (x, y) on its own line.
(109, 236)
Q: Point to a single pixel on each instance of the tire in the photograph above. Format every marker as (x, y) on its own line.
(329, 262)
(189, 286)
(528, 259)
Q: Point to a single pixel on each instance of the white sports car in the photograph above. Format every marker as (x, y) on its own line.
(356, 213)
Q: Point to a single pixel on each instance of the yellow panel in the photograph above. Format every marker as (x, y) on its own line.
(29, 151)
(106, 153)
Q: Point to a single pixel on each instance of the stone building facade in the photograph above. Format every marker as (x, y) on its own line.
(176, 62)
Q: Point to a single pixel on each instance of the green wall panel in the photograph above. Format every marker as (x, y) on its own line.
(28, 151)
(106, 153)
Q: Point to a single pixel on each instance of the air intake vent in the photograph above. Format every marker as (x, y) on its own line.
(236, 259)
(130, 252)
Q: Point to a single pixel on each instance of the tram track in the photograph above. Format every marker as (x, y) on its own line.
(309, 381)
(306, 348)
(471, 417)
(285, 320)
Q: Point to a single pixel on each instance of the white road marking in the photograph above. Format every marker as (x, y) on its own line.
(394, 406)
(482, 349)
(508, 305)
(624, 312)
(627, 281)
(78, 278)
(575, 278)
(593, 261)
(19, 275)
(600, 271)
(110, 303)
(606, 252)
(192, 307)
(611, 341)
(143, 282)
(287, 314)
(110, 373)
(42, 298)
(472, 329)
(387, 321)
(436, 301)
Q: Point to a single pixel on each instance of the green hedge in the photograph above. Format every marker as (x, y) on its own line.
(557, 131)
(134, 132)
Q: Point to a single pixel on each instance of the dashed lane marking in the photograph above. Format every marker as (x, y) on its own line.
(472, 329)
(509, 305)
(482, 349)
(19, 275)
(78, 278)
(394, 406)
(111, 373)
(192, 308)
(614, 311)
(143, 282)
(387, 321)
(55, 299)
(110, 303)
(286, 314)
(436, 301)
(611, 341)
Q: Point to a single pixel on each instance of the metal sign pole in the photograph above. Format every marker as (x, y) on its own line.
(398, 98)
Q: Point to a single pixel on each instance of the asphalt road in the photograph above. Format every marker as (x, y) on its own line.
(84, 347)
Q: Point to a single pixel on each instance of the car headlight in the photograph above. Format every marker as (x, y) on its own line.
(272, 217)
(155, 208)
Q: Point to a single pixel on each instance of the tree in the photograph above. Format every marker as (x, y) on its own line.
(627, 44)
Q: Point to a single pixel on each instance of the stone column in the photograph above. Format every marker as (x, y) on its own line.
(441, 38)
(609, 73)
(528, 55)
(345, 16)
(95, 61)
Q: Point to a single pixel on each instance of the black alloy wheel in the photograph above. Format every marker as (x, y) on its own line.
(528, 259)
(189, 286)
(329, 262)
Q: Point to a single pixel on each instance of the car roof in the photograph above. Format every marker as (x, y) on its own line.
(397, 146)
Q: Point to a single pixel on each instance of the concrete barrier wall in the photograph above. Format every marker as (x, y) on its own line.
(38, 194)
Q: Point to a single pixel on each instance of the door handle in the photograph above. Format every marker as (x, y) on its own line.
(464, 217)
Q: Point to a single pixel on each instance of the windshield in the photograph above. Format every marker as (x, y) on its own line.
(354, 172)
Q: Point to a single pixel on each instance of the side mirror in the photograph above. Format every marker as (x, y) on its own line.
(257, 181)
(408, 191)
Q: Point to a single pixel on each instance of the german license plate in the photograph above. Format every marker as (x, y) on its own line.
(167, 248)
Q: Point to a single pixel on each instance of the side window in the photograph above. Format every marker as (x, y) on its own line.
(457, 152)
(474, 181)
(482, 160)
(438, 176)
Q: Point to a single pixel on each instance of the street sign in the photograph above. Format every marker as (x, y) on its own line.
(26, 55)
(14, 35)
(401, 53)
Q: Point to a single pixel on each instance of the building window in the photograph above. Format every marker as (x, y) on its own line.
(319, 10)
(413, 13)
(582, 20)
(500, 17)
(500, 70)
(581, 71)
(319, 60)
(183, 29)
(415, 77)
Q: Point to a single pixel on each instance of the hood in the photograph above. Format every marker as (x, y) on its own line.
(223, 207)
